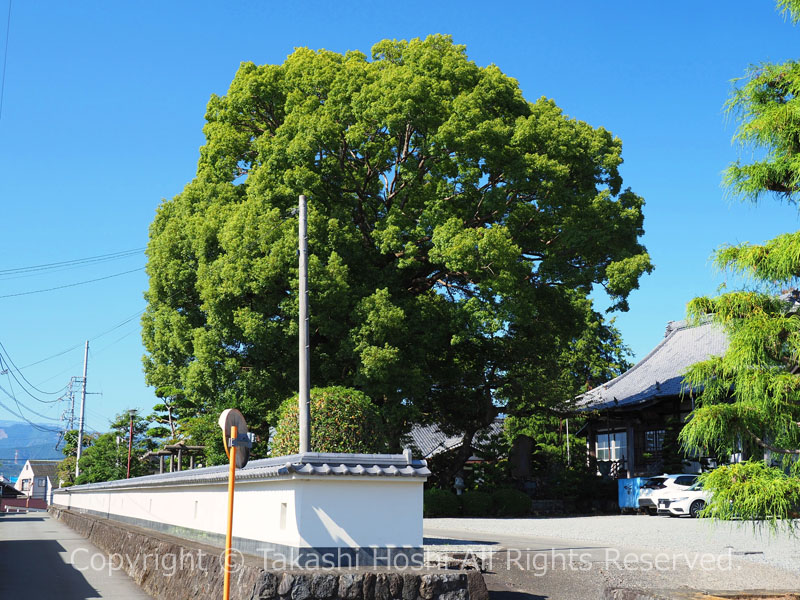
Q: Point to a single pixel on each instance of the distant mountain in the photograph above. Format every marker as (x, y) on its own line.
(21, 441)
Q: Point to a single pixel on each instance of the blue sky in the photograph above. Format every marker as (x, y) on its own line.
(103, 112)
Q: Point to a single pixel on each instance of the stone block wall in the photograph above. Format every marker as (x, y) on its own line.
(170, 568)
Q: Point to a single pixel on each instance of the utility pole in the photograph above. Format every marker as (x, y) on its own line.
(305, 360)
(132, 414)
(83, 405)
(568, 457)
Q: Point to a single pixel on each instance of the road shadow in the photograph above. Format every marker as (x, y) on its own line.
(511, 595)
(34, 569)
(435, 541)
(18, 519)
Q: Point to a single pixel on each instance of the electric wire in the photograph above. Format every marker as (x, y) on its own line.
(73, 263)
(13, 396)
(97, 336)
(10, 363)
(28, 421)
(69, 285)
(56, 355)
(91, 339)
(35, 274)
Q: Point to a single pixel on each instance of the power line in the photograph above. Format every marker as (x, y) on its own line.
(69, 285)
(23, 458)
(41, 391)
(56, 355)
(28, 421)
(13, 396)
(73, 263)
(5, 59)
(91, 339)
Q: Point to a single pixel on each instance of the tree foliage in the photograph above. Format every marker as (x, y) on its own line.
(65, 471)
(751, 490)
(342, 420)
(455, 232)
(750, 400)
(106, 459)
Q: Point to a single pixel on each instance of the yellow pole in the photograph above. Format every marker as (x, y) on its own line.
(226, 594)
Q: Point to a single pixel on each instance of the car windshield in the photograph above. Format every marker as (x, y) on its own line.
(696, 486)
(653, 483)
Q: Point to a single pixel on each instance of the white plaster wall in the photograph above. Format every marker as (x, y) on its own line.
(327, 511)
(359, 512)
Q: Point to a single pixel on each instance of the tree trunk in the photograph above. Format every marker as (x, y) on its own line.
(460, 458)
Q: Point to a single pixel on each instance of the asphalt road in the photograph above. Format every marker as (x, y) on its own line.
(42, 558)
(534, 559)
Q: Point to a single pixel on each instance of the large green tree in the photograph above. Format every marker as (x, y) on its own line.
(750, 400)
(455, 230)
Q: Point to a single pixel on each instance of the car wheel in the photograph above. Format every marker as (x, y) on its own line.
(695, 508)
(652, 512)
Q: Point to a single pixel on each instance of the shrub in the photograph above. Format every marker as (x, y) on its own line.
(476, 504)
(511, 503)
(342, 420)
(440, 503)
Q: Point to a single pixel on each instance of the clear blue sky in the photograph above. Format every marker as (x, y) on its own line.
(104, 104)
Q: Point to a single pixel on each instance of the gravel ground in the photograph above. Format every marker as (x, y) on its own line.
(754, 559)
(659, 533)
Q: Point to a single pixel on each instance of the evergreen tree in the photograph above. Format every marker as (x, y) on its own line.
(750, 400)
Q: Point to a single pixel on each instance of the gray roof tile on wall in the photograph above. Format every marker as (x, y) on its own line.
(310, 463)
(660, 373)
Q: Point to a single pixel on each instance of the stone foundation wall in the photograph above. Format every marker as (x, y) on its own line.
(170, 568)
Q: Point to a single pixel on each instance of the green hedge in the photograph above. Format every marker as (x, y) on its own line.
(342, 420)
(511, 503)
(476, 504)
(440, 503)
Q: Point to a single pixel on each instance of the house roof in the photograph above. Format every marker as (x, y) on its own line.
(660, 373)
(430, 440)
(8, 491)
(309, 463)
(45, 468)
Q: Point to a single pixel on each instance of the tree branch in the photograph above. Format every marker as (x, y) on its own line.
(767, 446)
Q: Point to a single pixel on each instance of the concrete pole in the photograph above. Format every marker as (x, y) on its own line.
(83, 404)
(130, 444)
(305, 360)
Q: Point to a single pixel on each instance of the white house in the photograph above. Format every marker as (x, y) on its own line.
(36, 481)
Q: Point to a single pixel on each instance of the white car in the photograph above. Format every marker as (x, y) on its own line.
(662, 486)
(689, 502)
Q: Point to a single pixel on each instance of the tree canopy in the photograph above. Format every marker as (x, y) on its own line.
(456, 230)
(750, 400)
(106, 457)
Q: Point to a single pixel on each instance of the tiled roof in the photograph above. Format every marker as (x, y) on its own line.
(430, 440)
(660, 373)
(307, 464)
(45, 468)
(8, 491)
